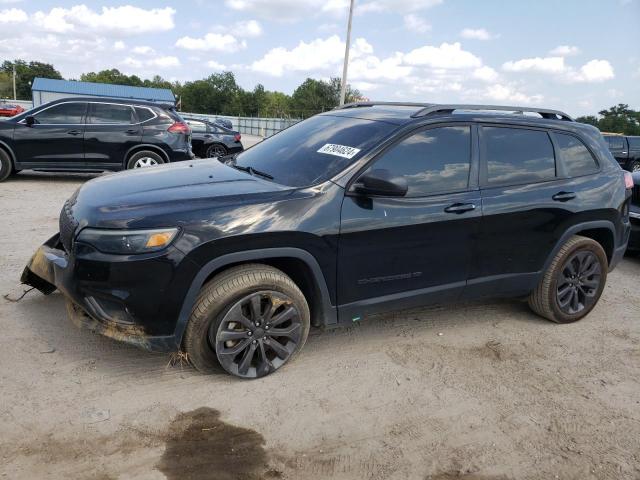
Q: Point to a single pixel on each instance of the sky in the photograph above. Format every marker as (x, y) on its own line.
(580, 56)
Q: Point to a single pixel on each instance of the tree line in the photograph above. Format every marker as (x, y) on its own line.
(219, 93)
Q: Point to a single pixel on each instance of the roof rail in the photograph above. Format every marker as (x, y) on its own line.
(393, 104)
(543, 112)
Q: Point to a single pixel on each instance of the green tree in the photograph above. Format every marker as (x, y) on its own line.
(617, 119)
(112, 76)
(315, 96)
(25, 73)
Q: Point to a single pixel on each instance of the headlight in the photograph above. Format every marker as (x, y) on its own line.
(128, 241)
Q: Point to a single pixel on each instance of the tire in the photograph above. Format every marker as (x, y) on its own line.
(223, 329)
(216, 151)
(144, 159)
(633, 166)
(584, 257)
(6, 166)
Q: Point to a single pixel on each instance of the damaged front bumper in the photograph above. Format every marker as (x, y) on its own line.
(51, 268)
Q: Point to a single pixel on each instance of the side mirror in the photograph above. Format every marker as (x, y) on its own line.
(29, 121)
(381, 182)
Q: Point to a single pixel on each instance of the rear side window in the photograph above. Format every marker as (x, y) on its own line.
(615, 143)
(634, 142)
(197, 127)
(111, 113)
(432, 161)
(575, 155)
(144, 114)
(516, 155)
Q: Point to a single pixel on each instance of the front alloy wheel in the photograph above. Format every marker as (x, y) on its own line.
(249, 320)
(258, 334)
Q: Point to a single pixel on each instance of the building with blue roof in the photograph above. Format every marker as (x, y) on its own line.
(47, 89)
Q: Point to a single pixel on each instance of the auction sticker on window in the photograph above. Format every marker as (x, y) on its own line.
(339, 150)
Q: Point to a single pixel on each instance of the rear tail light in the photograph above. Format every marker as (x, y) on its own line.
(179, 127)
(628, 180)
(237, 137)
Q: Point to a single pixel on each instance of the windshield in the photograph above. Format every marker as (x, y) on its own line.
(314, 150)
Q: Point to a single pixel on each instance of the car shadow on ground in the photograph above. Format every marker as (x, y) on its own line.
(46, 316)
(30, 175)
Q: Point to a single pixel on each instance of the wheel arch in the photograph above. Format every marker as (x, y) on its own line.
(141, 147)
(4, 146)
(602, 231)
(297, 263)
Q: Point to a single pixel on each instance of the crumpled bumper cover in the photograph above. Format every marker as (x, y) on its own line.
(49, 270)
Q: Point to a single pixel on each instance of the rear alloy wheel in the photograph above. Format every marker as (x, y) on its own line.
(216, 151)
(144, 159)
(573, 283)
(633, 166)
(250, 320)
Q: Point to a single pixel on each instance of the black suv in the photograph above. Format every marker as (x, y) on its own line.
(364, 209)
(93, 134)
(626, 150)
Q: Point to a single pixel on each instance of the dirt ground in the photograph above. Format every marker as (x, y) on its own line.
(476, 391)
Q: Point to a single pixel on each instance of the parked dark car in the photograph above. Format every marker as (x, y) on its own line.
(357, 211)
(10, 109)
(209, 140)
(626, 150)
(634, 215)
(93, 134)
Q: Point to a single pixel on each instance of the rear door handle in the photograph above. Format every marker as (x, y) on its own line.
(132, 131)
(460, 208)
(74, 132)
(564, 196)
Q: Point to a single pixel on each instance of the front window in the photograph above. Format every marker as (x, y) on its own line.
(314, 150)
(70, 113)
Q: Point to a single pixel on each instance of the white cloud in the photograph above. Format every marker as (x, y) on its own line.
(216, 66)
(537, 64)
(123, 20)
(594, 71)
(119, 45)
(222, 42)
(485, 74)
(13, 15)
(318, 54)
(476, 34)
(508, 93)
(246, 28)
(396, 5)
(287, 10)
(371, 68)
(564, 51)
(415, 23)
(143, 50)
(157, 62)
(445, 56)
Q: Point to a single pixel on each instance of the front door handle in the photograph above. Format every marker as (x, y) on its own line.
(132, 131)
(460, 208)
(74, 132)
(564, 196)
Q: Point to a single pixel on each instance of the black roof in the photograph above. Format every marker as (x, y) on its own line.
(128, 101)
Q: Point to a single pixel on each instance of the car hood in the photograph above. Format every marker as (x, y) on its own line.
(149, 197)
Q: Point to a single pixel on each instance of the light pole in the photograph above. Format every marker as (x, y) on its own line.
(343, 84)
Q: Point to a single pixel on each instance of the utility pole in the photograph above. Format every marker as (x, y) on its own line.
(14, 81)
(343, 85)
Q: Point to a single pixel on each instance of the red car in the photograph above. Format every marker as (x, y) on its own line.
(10, 110)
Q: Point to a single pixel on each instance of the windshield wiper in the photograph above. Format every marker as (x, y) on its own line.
(251, 171)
